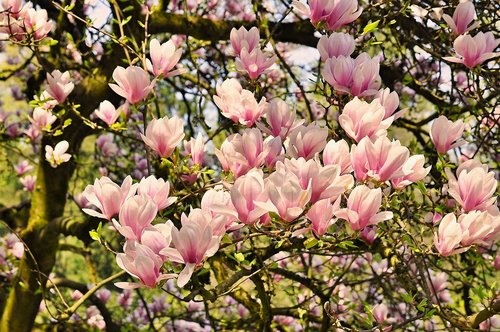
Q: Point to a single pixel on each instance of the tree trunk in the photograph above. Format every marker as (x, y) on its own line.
(49, 198)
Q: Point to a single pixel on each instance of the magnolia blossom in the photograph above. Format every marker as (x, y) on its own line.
(42, 118)
(164, 57)
(106, 145)
(360, 119)
(107, 112)
(390, 101)
(445, 134)
(414, 170)
(307, 141)
(59, 85)
(133, 83)
(474, 186)
(337, 153)
(254, 63)
(14, 7)
(36, 21)
(246, 193)
(238, 104)
(28, 182)
(449, 236)
(358, 77)
(243, 39)
(193, 242)
(473, 51)
(107, 196)
(136, 213)
(362, 209)
(212, 202)
(476, 227)
(162, 135)
(157, 190)
(23, 167)
(335, 45)
(141, 262)
(462, 17)
(280, 119)
(57, 155)
(381, 160)
(288, 198)
(334, 13)
(195, 148)
(321, 215)
(326, 181)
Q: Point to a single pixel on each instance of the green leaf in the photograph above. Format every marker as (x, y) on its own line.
(370, 27)
(94, 236)
(126, 20)
(311, 242)
(421, 305)
(239, 257)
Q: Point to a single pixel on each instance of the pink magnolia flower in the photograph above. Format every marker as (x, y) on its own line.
(335, 13)
(381, 160)
(380, 313)
(326, 181)
(212, 202)
(243, 39)
(36, 21)
(140, 262)
(474, 186)
(42, 118)
(107, 196)
(132, 83)
(307, 141)
(390, 102)
(280, 119)
(194, 242)
(164, 57)
(337, 153)
(476, 226)
(157, 237)
(335, 45)
(358, 77)
(245, 193)
(106, 145)
(362, 209)
(445, 134)
(238, 104)
(449, 236)
(286, 195)
(14, 7)
(276, 151)
(163, 135)
(23, 167)
(59, 85)
(414, 170)
(107, 112)
(462, 17)
(321, 215)
(344, 12)
(242, 152)
(28, 182)
(473, 51)
(361, 119)
(254, 63)
(136, 213)
(57, 155)
(195, 148)
(157, 190)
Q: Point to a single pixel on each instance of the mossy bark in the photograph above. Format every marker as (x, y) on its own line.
(48, 202)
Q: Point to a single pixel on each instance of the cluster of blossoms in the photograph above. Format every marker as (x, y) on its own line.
(251, 60)
(471, 50)
(22, 22)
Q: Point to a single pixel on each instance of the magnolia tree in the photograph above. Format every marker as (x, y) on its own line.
(268, 165)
